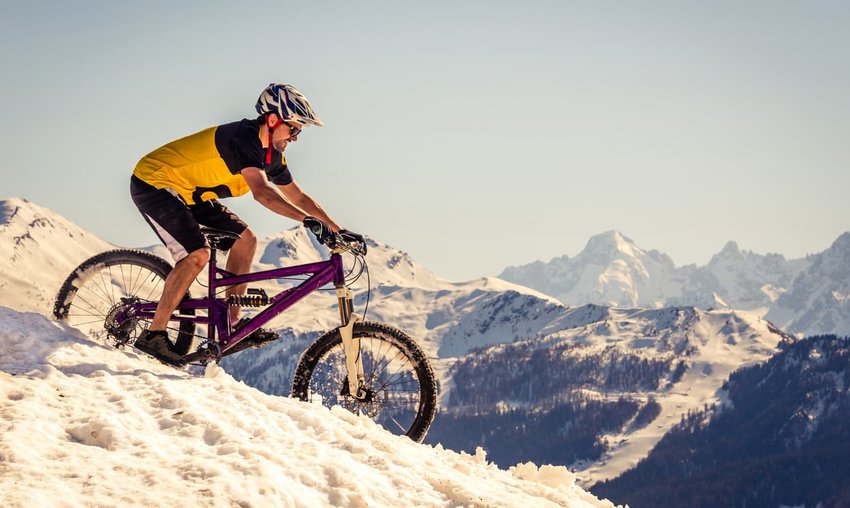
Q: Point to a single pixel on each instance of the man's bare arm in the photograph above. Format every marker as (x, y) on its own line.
(271, 197)
(295, 195)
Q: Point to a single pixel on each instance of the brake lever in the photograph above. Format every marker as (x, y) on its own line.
(359, 247)
(354, 245)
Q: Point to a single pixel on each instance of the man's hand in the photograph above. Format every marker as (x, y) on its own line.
(322, 231)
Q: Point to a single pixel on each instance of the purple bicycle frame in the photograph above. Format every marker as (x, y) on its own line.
(218, 317)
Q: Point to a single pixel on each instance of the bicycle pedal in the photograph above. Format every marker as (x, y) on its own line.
(261, 336)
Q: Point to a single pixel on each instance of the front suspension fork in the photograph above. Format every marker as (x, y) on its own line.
(351, 344)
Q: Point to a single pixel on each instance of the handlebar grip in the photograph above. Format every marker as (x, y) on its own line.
(317, 227)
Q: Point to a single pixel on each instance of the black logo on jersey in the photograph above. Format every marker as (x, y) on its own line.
(207, 193)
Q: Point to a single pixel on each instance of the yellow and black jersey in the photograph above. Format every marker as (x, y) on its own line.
(207, 165)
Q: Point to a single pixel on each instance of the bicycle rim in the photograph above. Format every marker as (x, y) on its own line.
(391, 378)
(400, 383)
(101, 287)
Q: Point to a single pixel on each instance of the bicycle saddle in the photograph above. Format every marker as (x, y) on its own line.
(216, 235)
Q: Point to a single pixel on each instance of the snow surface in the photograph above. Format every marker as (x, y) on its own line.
(87, 425)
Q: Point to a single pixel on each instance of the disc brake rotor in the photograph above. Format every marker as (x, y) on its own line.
(125, 331)
(370, 405)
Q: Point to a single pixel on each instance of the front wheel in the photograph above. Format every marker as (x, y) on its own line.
(400, 384)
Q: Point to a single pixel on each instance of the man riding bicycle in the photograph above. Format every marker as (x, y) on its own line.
(177, 186)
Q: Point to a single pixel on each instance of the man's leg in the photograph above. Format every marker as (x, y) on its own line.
(240, 252)
(239, 262)
(176, 285)
(175, 225)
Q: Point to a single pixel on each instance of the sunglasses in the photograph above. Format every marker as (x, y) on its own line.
(293, 131)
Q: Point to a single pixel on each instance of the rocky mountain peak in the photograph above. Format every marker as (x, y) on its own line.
(611, 242)
(17, 210)
(731, 249)
(841, 244)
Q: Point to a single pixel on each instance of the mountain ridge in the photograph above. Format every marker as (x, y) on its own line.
(612, 270)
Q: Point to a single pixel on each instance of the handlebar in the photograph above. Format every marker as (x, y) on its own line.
(347, 243)
(343, 240)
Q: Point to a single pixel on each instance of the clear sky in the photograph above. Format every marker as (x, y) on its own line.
(473, 135)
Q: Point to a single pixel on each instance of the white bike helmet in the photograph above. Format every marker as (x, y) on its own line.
(288, 103)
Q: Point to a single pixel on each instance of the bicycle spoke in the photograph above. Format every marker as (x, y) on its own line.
(385, 366)
(155, 287)
(95, 294)
(112, 282)
(400, 426)
(400, 383)
(99, 284)
(92, 306)
(131, 284)
(96, 321)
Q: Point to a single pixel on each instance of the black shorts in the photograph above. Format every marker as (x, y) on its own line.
(177, 224)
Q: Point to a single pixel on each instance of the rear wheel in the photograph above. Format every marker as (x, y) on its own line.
(103, 286)
(401, 389)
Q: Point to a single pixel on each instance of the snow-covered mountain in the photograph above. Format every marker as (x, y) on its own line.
(677, 358)
(453, 320)
(611, 270)
(746, 280)
(87, 425)
(805, 296)
(38, 248)
(818, 300)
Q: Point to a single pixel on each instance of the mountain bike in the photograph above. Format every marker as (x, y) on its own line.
(366, 367)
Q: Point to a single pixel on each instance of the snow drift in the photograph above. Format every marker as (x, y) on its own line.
(84, 424)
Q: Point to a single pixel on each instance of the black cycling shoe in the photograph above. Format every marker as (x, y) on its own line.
(156, 344)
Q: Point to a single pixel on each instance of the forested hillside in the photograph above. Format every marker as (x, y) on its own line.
(783, 439)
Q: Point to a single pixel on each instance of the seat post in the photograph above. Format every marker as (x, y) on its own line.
(214, 237)
(212, 264)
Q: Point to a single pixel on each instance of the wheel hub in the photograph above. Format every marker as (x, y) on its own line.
(120, 323)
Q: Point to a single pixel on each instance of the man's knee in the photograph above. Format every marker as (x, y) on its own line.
(247, 240)
(197, 259)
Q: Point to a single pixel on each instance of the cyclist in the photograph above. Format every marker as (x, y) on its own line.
(177, 189)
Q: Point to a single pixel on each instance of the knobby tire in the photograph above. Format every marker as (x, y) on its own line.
(405, 389)
(97, 286)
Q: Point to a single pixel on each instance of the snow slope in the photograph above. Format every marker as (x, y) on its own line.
(720, 342)
(38, 248)
(86, 425)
